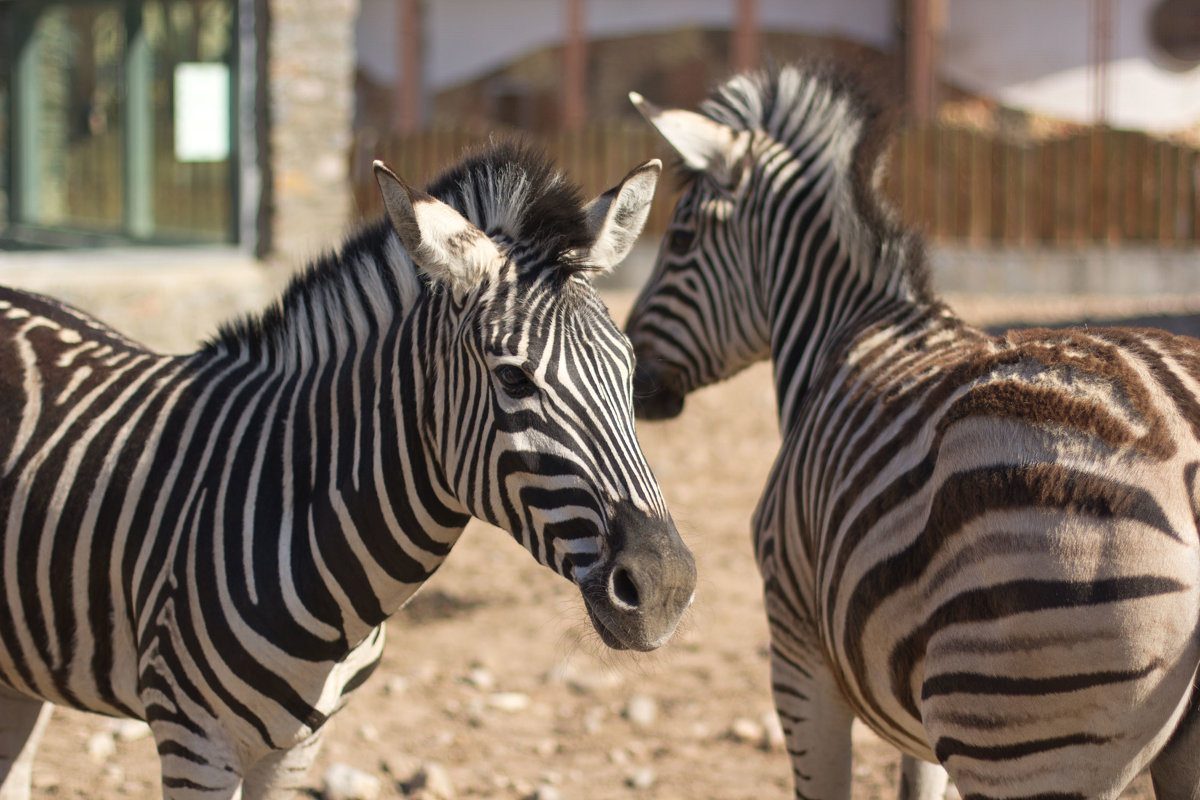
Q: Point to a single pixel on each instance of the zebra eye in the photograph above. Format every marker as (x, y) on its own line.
(514, 381)
(680, 241)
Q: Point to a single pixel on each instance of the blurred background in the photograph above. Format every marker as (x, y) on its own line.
(1061, 127)
(165, 164)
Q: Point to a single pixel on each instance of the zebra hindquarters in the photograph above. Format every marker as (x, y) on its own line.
(1060, 646)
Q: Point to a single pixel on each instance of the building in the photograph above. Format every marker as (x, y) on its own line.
(175, 122)
(232, 121)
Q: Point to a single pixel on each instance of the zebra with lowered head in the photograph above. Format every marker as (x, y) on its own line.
(985, 548)
(212, 542)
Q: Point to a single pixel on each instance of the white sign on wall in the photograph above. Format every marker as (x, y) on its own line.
(201, 112)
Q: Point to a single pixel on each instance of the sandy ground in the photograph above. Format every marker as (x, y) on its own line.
(492, 673)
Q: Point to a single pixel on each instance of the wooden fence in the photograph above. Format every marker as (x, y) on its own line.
(1102, 187)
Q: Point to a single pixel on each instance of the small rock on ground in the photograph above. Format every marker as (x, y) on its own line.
(343, 782)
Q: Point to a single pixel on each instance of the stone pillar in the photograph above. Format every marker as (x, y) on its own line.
(311, 74)
(574, 80)
(926, 25)
(746, 37)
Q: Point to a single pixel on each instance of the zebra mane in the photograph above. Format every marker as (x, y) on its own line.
(508, 189)
(809, 105)
(511, 188)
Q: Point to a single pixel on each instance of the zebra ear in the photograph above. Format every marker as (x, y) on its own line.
(704, 144)
(440, 241)
(616, 217)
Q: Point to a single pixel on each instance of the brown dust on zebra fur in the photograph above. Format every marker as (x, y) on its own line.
(212, 542)
(985, 548)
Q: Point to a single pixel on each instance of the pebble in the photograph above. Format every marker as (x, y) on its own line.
(509, 701)
(642, 778)
(593, 719)
(343, 782)
(46, 781)
(368, 732)
(584, 681)
(432, 782)
(773, 737)
(396, 685)
(641, 711)
(101, 746)
(482, 679)
(746, 731)
(401, 766)
(545, 792)
(129, 730)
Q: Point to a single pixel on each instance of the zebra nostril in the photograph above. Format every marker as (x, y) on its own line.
(623, 589)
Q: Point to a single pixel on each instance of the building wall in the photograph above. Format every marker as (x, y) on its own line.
(311, 74)
(466, 38)
(1035, 55)
(1029, 54)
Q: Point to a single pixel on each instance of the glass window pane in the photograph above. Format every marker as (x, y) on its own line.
(192, 46)
(74, 118)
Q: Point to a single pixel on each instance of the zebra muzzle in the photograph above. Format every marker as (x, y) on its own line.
(636, 599)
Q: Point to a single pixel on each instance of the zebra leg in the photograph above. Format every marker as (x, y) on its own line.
(1175, 771)
(921, 780)
(282, 773)
(195, 766)
(22, 722)
(815, 719)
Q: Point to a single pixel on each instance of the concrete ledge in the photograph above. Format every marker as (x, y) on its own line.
(1117, 272)
(1120, 272)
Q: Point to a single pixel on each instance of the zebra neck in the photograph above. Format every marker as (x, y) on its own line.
(828, 291)
(347, 512)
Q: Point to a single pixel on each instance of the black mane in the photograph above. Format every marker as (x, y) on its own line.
(507, 188)
(512, 188)
(798, 102)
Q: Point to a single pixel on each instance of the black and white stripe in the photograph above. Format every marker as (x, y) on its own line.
(984, 548)
(212, 542)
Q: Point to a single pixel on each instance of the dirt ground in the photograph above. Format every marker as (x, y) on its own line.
(493, 672)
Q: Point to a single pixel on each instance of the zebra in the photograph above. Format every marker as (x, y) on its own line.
(212, 542)
(983, 547)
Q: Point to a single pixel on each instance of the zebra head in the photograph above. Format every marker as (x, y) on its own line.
(699, 319)
(532, 426)
(768, 229)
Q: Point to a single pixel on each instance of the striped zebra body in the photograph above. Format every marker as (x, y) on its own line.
(985, 548)
(212, 542)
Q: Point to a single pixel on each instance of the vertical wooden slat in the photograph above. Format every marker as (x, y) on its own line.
(1132, 184)
(1097, 184)
(1114, 187)
(1188, 190)
(1149, 215)
(1167, 197)
(1194, 180)
(1084, 202)
(979, 218)
(1108, 187)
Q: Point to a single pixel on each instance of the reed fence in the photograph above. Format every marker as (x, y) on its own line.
(1099, 187)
